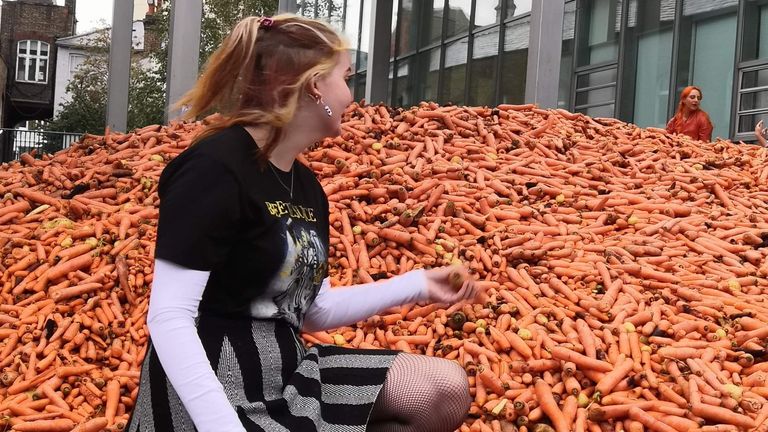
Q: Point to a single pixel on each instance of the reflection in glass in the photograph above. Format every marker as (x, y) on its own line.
(352, 28)
(747, 122)
(459, 12)
(709, 27)
(406, 31)
(488, 12)
(599, 32)
(454, 75)
(754, 100)
(566, 56)
(482, 83)
(647, 60)
(591, 97)
(515, 61)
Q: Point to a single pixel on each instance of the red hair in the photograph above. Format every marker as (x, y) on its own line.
(681, 106)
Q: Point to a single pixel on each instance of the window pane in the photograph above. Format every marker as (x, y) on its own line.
(459, 12)
(754, 100)
(755, 31)
(33, 48)
(485, 53)
(403, 96)
(392, 50)
(429, 65)
(337, 14)
(32, 70)
(747, 122)
(455, 72)
(21, 67)
(607, 94)
(695, 7)
(607, 76)
(365, 35)
(44, 49)
(488, 12)
(600, 111)
(599, 31)
(515, 61)
(41, 70)
(406, 31)
(517, 7)
(352, 22)
(360, 86)
(431, 26)
(23, 47)
(648, 59)
(566, 56)
(709, 27)
(757, 78)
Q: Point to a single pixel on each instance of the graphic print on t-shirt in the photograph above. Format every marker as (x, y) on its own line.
(296, 284)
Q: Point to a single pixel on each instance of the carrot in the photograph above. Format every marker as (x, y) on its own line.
(93, 425)
(549, 406)
(612, 378)
(583, 361)
(648, 421)
(112, 400)
(58, 425)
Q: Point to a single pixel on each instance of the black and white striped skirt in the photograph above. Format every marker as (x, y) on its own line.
(274, 383)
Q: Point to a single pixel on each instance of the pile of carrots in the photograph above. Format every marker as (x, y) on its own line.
(623, 270)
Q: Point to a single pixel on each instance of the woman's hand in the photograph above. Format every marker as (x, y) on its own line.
(760, 133)
(450, 284)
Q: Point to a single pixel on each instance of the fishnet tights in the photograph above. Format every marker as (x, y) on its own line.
(421, 394)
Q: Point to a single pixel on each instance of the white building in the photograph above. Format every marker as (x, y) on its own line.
(73, 50)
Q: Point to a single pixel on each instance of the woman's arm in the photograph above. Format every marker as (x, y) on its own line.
(705, 130)
(173, 306)
(336, 307)
(671, 125)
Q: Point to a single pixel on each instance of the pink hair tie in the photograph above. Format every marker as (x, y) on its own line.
(266, 22)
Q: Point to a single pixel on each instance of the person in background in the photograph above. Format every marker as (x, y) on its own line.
(241, 265)
(760, 134)
(690, 119)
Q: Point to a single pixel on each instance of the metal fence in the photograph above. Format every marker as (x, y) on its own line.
(15, 142)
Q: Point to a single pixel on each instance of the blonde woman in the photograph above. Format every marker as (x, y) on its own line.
(241, 263)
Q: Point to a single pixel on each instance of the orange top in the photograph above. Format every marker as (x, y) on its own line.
(697, 126)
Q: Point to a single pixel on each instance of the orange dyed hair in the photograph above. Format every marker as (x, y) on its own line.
(680, 106)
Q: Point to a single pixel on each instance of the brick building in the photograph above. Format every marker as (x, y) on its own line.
(28, 32)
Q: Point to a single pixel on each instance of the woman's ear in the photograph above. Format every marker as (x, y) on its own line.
(312, 91)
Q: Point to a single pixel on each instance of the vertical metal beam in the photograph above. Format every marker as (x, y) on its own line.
(544, 52)
(119, 65)
(183, 51)
(287, 6)
(377, 78)
(736, 86)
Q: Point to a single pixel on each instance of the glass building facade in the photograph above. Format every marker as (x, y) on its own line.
(627, 59)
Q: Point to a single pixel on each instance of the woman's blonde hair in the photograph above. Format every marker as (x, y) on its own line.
(258, 74)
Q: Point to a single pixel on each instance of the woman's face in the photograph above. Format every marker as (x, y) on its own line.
(336, 94)
(693, 101)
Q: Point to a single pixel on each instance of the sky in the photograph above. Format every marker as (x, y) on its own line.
(94, 14)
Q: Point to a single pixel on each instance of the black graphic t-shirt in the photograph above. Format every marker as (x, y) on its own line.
(221, 211)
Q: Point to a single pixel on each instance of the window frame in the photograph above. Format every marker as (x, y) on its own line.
(29, 58)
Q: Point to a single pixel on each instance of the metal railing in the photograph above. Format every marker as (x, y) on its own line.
(15, 142)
